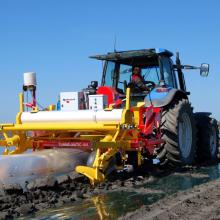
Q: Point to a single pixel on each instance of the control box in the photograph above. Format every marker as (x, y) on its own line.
(71, 101)
(97, 102)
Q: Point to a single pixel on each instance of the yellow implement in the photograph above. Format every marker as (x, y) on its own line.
(106, 138)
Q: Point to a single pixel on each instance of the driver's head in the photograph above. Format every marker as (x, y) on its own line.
(136, 70)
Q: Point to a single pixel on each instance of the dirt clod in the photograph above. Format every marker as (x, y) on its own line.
(12, 189)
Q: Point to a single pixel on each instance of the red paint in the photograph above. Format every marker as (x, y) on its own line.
(161, 89)
(76, 144)
(149, 125)
(111, 93)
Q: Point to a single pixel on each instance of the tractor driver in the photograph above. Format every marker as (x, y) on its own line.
(137, 80)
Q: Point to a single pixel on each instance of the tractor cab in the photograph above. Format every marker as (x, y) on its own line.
(155, 64)
(163, 78)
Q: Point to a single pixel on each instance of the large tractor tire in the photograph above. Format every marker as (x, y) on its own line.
(179, 132)
(208, 138)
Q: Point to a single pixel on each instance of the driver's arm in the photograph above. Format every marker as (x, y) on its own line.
(140, 83)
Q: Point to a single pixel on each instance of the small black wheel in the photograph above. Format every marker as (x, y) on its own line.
(208, 138)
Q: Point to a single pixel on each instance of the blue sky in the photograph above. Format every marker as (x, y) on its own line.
(55, 38)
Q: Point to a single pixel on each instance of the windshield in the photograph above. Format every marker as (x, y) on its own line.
(123, 73)
(119, 75)
(149, 73)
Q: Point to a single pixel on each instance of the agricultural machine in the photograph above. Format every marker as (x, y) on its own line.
(117, 123)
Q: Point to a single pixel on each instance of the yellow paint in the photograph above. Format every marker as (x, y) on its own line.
(18, 118)
(128, 100)
(127, 115)
(59, 127)
(14, 140)
(35, 109)
(139, 158)
(21, 102)
(93, 174)
(51, 107)
(136, 111)
(140, 104)
(107, 138)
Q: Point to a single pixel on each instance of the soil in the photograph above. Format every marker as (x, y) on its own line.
(200, 202)
(54, 192)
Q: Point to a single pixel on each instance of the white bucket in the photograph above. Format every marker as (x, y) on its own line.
(30, 79)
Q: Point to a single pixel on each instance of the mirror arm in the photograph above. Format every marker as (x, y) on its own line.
(187, 67)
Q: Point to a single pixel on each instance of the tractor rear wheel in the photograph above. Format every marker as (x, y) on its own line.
(208, 138)
(179, 132)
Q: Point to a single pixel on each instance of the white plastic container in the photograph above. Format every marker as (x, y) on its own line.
(71, 101)
(97, 102)
(30, 79)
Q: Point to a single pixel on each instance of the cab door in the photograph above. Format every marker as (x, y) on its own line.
(168, 72)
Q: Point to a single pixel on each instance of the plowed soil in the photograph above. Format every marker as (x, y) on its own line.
(200, 202)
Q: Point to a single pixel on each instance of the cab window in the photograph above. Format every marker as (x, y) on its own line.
(108, 79)
(125, 72)
(151, 73)
(168, 72)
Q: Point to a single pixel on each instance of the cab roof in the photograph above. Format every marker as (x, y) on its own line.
(133, 54)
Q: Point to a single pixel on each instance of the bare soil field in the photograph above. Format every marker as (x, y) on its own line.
(200, 202)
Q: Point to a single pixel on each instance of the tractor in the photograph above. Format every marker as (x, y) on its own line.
(117, 123)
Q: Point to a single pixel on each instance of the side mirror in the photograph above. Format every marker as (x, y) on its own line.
(204, 69)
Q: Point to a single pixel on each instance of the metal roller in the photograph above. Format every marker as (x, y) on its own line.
(82, 116)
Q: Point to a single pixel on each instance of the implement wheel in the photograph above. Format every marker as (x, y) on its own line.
(179, 132)
(208, 138)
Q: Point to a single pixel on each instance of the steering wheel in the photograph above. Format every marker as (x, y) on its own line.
(150, 84)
